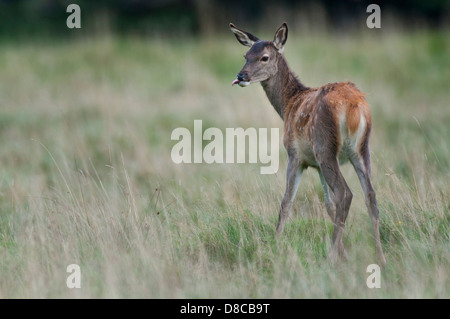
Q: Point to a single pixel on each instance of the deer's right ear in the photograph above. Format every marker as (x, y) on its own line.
(280, 37)
(243, 37)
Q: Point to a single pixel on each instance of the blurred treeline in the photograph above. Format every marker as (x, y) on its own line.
(30, 18)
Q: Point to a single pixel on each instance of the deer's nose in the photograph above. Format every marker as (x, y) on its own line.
(242, 76)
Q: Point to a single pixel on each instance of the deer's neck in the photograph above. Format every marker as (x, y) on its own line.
(282, 86)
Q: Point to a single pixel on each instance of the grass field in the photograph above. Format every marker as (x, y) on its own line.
(86, 175)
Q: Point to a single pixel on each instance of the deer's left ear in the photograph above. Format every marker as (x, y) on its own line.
(245, 38)
(280, 37)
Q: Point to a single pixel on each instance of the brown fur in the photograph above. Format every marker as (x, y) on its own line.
(302, 108)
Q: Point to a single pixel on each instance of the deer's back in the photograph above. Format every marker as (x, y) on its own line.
(337, 112)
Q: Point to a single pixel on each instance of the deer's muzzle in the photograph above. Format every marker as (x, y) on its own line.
(242, 79)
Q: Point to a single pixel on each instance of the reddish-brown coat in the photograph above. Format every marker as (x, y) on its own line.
(301, 110)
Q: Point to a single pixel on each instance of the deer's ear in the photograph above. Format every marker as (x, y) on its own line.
(243, 37)
(280, 37)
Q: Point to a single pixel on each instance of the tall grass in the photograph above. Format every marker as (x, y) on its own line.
(86, 175)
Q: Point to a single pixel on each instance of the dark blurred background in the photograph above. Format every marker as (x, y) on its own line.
(30, 18)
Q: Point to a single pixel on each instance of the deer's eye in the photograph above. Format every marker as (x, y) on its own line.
(265, 58)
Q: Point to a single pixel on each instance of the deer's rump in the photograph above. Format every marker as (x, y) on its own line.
(335, 116)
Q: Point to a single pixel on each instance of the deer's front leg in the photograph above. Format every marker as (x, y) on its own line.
(294, 173)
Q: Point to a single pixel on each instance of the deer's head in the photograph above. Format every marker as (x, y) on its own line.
(262, 57)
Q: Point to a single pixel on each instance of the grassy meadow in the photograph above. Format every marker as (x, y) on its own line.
(86, 175)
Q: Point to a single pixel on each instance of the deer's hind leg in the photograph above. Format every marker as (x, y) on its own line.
(361, 163)
(325, 138)
(329, 204)
(342, 200)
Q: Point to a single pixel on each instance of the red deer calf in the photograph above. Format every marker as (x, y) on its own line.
(322, 127)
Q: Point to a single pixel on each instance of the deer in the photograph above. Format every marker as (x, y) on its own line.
(323, 128)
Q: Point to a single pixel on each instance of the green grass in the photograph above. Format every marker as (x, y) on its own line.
(86, 175)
